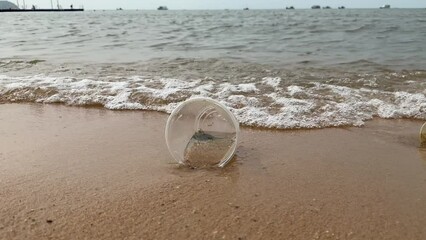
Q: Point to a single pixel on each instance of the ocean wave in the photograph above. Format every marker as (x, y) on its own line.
(360, 28)
(267, 103)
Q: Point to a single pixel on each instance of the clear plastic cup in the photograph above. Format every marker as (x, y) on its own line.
(422, 135)
(202, 132)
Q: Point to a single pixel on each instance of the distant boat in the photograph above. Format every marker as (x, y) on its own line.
(246, 9)
(385, 6)
(326, 7)
(162, 8)
(291, 7)
(316, 7)
(341, 7)
(119, 9)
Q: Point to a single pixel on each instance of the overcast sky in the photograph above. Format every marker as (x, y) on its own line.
(222, 4)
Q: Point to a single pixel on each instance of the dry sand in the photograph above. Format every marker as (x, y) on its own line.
(77, 173)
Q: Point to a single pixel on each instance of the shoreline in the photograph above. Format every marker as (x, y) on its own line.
(96, 173)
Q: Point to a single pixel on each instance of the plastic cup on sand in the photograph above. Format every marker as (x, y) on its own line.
(422, 134)
(202, 132)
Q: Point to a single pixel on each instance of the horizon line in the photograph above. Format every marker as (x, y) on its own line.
(309, 8)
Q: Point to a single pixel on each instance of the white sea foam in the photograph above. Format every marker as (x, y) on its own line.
(273, 82)
(312, 105)
(292, 90)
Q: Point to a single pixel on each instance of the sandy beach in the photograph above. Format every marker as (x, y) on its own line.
(91, 173)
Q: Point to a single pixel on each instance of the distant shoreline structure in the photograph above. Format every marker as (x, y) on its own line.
(43, 10)
(6, 6)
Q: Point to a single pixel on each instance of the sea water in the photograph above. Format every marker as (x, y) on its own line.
(271, 68)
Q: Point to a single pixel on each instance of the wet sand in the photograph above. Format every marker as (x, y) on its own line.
(75, 173)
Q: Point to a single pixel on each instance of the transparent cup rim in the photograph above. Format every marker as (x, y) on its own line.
(421, 137)
(214, 102)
